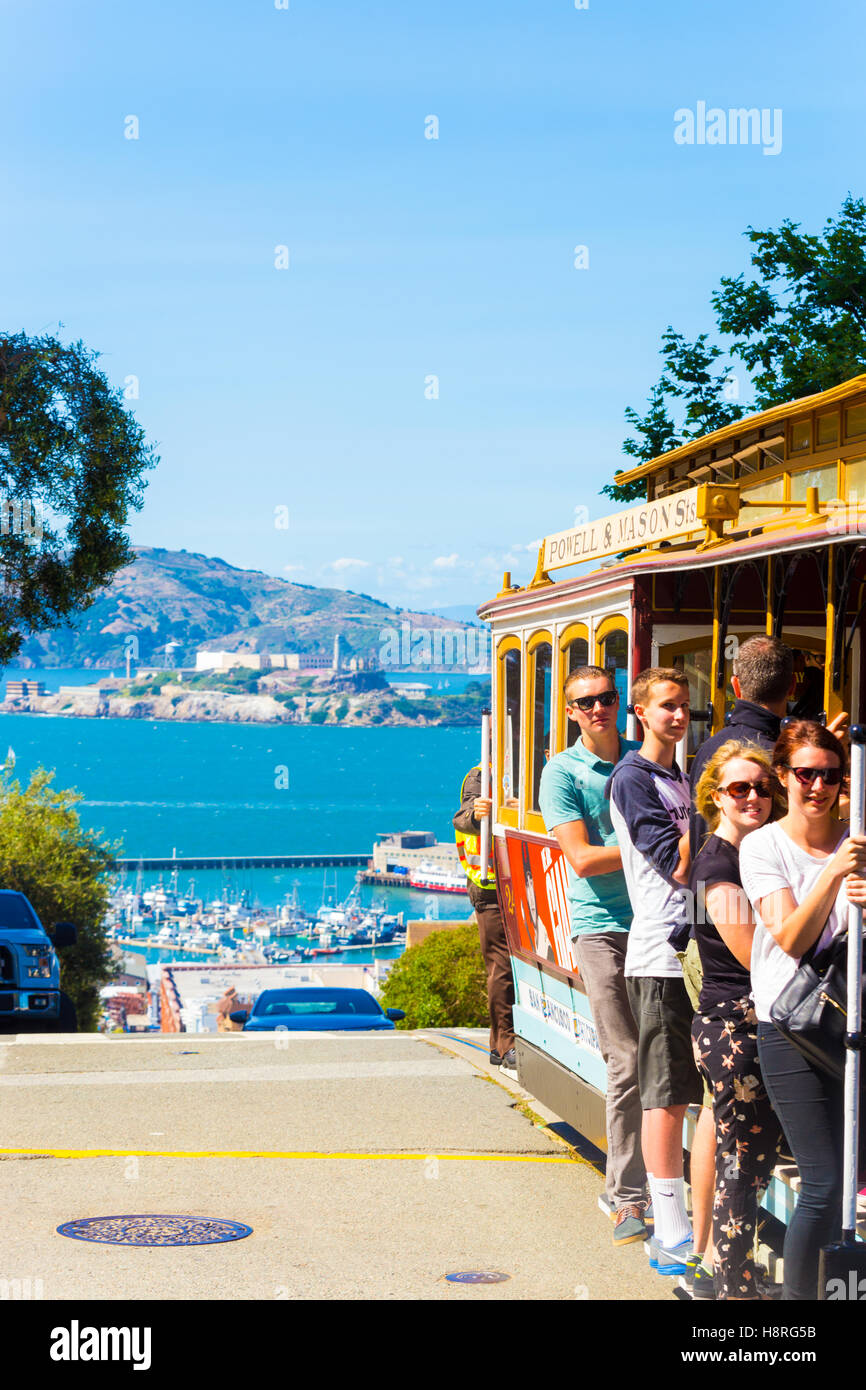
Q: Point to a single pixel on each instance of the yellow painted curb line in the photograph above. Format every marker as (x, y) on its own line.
(270, 1153)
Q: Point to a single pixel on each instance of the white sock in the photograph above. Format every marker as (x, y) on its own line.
(672, 1225)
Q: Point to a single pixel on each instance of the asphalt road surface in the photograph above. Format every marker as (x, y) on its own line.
(368, 1166)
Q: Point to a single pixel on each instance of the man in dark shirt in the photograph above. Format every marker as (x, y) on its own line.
(762, 682)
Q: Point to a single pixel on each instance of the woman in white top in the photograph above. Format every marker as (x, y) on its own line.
(800, 873)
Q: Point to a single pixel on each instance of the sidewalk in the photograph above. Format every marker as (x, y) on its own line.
(386, 1163)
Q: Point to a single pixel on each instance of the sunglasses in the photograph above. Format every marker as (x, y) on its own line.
(742, 789)
(830, 776)
(588, 702)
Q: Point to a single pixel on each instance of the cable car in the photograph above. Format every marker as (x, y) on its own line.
(759, 527)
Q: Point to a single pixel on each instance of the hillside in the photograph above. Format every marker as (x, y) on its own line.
(201, 602)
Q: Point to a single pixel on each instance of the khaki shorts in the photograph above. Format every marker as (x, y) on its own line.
(693, 979)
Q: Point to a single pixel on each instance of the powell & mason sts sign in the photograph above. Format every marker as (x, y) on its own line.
(661, 520)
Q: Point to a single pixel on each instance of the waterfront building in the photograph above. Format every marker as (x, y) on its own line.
(23, 690)
(408, 849)
(127, 1007)
(307, 661)
(225, 661)
(413, 690)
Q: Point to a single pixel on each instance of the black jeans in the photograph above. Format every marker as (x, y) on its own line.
(809, 1106)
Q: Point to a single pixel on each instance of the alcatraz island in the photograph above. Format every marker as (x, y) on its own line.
(188, 637)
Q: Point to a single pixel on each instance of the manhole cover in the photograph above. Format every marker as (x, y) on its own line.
(154, 1230)
(477, 1276)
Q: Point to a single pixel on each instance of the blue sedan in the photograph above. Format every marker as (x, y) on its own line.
(310, 1009)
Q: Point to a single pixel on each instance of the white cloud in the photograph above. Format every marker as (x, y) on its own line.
(345, 563)
(292, 569)
(445, 562)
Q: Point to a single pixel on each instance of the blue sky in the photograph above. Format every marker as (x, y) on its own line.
(409, 258)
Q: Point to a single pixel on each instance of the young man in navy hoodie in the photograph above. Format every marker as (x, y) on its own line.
(650, 805)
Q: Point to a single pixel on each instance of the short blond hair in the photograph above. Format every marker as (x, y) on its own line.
(710, 779)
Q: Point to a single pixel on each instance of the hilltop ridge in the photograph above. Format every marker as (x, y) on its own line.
(201, 602)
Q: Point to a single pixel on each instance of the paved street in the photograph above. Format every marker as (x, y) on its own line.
(368, 1167)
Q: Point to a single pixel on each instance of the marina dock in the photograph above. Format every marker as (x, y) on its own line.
(246, 861)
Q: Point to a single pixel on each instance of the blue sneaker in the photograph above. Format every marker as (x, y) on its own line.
(670, 1259)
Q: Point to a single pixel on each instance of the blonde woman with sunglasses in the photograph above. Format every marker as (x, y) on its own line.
(735, 796)
(800, 873)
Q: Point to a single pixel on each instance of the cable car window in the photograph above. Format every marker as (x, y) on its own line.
(540, 733)
(855, 421)
(511, 663)
(615, 658)
(575, 654)
(828, 429)
(824, 479)
(696, 666)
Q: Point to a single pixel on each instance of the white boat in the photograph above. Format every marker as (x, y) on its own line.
(160, 900)
(433, 878)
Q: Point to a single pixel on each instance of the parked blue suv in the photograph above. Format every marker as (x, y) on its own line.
(30, 994)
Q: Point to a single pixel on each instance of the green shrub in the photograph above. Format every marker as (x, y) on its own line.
(318, 716)
(441, 983)
(64, 871)
(342, 710)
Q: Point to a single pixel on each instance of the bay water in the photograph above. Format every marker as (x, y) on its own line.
(152, 787)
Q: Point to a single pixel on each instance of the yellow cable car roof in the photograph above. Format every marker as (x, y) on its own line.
(748, 423)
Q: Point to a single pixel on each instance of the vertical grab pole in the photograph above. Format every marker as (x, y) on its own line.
(485, 793)
(855, 960)
(842, 1266)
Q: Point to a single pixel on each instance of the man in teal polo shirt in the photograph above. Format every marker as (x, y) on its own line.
(577, 813)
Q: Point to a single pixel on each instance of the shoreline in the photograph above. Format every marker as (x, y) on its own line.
(217, 707)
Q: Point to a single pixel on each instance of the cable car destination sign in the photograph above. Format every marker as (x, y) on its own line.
(660, 520)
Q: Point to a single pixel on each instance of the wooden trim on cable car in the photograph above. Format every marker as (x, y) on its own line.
(614, 622)
(508, 815)
(532, 819)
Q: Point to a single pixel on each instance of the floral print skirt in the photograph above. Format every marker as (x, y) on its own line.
(747, 1137)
